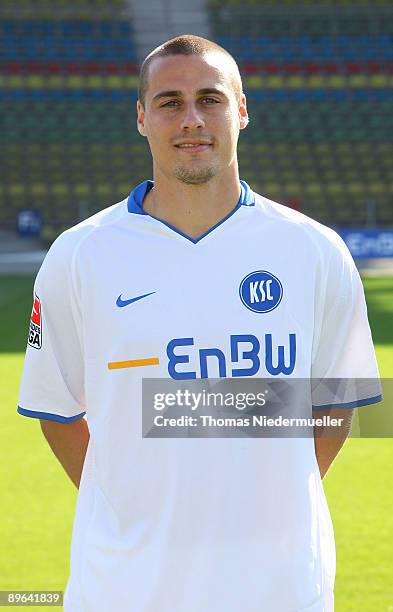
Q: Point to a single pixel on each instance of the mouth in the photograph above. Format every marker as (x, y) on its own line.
(193, 146)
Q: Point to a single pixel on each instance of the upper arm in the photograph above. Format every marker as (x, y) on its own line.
(344, 367)
(52, 386)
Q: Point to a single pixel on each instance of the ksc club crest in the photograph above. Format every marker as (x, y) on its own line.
(261, 291)
(35, 329)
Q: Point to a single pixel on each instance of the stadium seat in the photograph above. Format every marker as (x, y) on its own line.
(336, 129)
(317, 76)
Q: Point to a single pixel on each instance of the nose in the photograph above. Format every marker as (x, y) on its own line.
(192, 118)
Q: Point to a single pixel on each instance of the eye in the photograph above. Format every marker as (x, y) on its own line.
(210, 100)
(170, 104)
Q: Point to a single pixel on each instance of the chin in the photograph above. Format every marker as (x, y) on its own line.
(192, 176)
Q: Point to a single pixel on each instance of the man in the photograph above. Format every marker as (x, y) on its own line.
(193, 276)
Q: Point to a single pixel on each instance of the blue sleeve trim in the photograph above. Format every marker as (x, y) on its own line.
(48, 416)
(357, 404)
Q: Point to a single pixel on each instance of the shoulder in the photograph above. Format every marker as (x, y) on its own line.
(69, 242)
(292, 224)
(60, 259)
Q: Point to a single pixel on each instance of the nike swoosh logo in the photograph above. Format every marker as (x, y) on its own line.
(121, 303)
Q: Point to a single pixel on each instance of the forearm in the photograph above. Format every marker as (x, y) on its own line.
(328, 441)
(69, 443)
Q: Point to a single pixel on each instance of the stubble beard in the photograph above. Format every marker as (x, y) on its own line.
(194, 176)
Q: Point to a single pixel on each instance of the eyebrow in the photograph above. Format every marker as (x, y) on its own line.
(178, 93)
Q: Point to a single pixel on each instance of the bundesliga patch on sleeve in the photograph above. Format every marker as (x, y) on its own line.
(35, 329)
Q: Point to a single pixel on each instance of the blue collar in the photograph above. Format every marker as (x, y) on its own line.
(137, 195)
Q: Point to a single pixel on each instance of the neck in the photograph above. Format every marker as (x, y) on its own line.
(192, 209)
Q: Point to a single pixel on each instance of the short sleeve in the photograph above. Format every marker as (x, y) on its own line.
(344, 367)
(52, 385)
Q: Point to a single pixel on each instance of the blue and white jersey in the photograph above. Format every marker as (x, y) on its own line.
(181, 524)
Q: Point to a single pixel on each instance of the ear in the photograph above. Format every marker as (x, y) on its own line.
(140, 122)
(243, 114)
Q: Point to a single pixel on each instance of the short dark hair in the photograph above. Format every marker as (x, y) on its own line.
(187, 44)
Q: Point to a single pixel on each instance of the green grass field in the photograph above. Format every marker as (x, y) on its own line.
(37, 500)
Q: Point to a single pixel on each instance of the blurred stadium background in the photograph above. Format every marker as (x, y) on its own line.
(319, 80)
(318, 76)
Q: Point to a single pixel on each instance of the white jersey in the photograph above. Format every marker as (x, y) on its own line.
(194, 524)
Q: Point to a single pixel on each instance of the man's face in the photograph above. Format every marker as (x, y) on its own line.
(192, 117)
